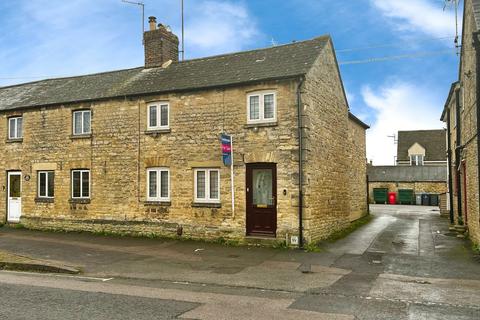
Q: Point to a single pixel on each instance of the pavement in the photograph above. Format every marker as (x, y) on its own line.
(405, 264)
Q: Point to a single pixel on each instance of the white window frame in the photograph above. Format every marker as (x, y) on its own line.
(417, 158)
(14, 120)
(261, 95)
(159, 106)
(81, 183)
(159, 197)
(46, 196)
(207, 198)
(82, 131)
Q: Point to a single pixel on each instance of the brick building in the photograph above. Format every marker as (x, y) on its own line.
(463, 125)
(138, 151)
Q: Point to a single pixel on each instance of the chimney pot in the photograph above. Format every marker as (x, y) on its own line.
(152, 21)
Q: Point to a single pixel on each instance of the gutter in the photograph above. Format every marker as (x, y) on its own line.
(300, 161)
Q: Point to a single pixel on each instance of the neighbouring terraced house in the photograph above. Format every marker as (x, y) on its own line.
(138, 150)
(461, 114)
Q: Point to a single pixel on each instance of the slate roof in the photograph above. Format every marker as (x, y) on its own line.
(434, 142)
(286, 61)
(407, 173)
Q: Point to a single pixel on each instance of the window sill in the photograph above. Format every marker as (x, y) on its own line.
(19, 140)
(158, 203)
(81, 136)
(206, 205)
(44, 200)
(156, 132)
(260, 125)
(80, 201)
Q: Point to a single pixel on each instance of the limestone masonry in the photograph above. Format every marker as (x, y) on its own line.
(138, 151)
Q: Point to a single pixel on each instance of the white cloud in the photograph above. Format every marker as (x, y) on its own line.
(418, 15)
(217, 27)
(398, 106)
(60, 38)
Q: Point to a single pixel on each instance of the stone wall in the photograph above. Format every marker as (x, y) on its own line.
(357, 170)
(417, 187)
(327, 206)
(119, 151)
(468, 117)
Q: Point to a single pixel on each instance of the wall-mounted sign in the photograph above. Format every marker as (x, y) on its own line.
(226, 149)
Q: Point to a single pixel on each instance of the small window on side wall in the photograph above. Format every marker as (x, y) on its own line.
(81, 122)
(15, 128)
(262, 107)
(207, 185)
(80, 184)
(158, 184)
(158, 116)
(46, 184)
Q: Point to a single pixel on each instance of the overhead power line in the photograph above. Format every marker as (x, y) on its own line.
(399, 57)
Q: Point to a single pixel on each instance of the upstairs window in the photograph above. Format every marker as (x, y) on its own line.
(15, 130)
(207, 185)
(46, 184)
(80, 184)
(416, 160)
(158, 116)
(81, 122)
(158, 184)
(262, 107)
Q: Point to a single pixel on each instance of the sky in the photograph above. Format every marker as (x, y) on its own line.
(406, 91)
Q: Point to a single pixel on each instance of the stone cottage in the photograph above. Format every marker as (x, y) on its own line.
(421, 165)
(138, 151)
(463, 124)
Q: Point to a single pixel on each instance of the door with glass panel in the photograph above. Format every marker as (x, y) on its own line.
(14, 196)
(262, 199)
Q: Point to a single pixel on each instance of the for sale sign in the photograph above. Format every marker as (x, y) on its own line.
(226, 149)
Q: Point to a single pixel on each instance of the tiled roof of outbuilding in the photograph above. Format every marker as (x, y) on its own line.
(249, 66)
(407, 173)
(434, 142)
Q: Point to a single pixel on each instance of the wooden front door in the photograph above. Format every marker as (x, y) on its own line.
(262, 199)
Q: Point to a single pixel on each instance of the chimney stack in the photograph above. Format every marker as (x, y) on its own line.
(161, 45)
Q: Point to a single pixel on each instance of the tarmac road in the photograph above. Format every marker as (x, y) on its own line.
(405, 264)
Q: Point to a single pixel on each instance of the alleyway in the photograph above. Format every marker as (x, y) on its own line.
(405, 264)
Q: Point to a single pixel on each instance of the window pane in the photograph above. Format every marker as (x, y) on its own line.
(213, 184)
(152, 184)
(76, 184)
(19, 127)
(164, 115)
(201, 184)
(262, 187)
(11, 127)
(77, 122)
(85, 184)
(269, 111)
(164, 184)
(254, 107)
(51, 184)
(153, 116)
(42, 192)
(86, 122)
(15, 186)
